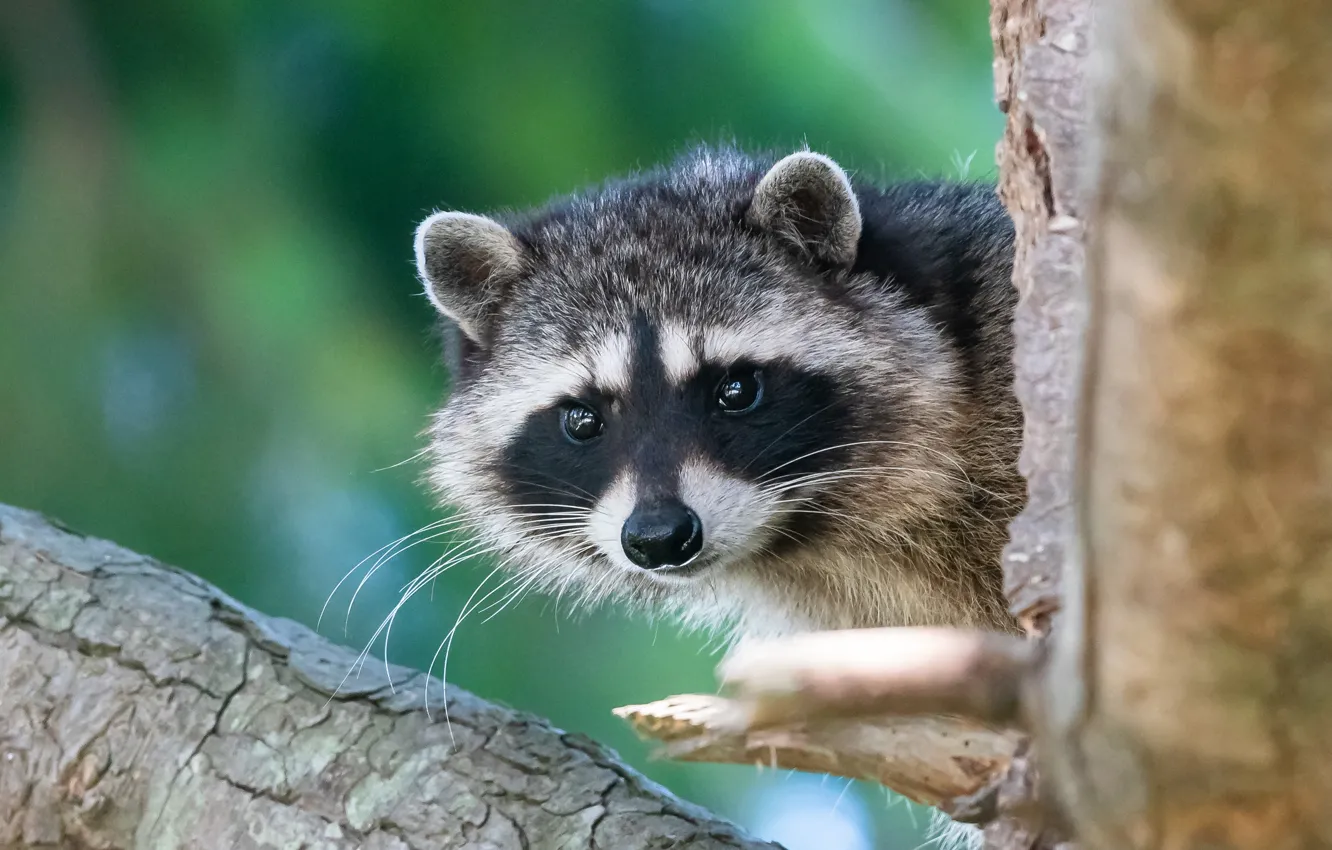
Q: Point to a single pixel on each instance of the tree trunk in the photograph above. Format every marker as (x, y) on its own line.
(1041, 52)
(1041, 49)
(140, 707)
(1189, 702)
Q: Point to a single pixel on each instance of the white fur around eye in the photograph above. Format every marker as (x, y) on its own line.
(496, 407)
(823, 345)
(678, 356)
(611, 363)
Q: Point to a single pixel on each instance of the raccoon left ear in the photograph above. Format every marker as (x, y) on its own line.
(807, 199)
(465, 262)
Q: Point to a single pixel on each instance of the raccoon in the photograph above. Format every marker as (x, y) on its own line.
(752, 392)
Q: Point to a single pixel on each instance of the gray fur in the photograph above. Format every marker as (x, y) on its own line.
(465, 262)
(900, 295)
(807, 199)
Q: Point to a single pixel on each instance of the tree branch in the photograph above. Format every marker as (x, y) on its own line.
(141, 707)
(839, 702)
(927, 759)
(860, 672)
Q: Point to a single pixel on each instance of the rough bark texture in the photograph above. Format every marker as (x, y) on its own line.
(1202, 632)
(1041, 56)
(141, 708)
(1041, 51)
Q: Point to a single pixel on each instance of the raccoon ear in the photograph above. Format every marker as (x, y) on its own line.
(807, 200)
(465, 261)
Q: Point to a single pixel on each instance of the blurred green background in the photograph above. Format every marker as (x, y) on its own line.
(212, 346)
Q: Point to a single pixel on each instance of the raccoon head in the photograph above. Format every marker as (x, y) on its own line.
(677, 390)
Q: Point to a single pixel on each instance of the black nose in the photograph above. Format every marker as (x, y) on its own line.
(661, 534)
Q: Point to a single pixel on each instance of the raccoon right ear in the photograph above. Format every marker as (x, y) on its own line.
(465, 262)
(807, 200)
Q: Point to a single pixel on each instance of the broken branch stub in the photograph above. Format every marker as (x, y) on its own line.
(891, 671)
(837, 702)
(926, 759)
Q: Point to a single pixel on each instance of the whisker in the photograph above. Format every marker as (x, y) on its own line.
(447, 645)
(785, 433)
(872, 534)
(392, 617)
(557, 479)
(468, 607)
(435, 569)
(407, 460)
(358, 663)
(384, 559)
(448, 522)
(521, 511)
(557, 490)
(786, 484)
(790, 535)
(539, 522)
(523, 588)
(834, 514)
(498, 607)
(951, 460)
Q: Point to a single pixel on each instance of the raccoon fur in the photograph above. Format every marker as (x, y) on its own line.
(754, 392)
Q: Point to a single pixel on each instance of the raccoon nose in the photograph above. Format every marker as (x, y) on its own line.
(661, 534)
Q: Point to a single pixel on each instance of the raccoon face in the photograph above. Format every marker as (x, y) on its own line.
(675, 391)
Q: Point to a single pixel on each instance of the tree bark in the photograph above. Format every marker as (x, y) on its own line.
(1042, 50)
(140, 707)
(1188, 702)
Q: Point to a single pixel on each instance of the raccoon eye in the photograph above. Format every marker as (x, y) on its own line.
(740, 392)
(581, 423)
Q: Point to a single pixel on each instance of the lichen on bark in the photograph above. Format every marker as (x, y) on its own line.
(141, 707)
